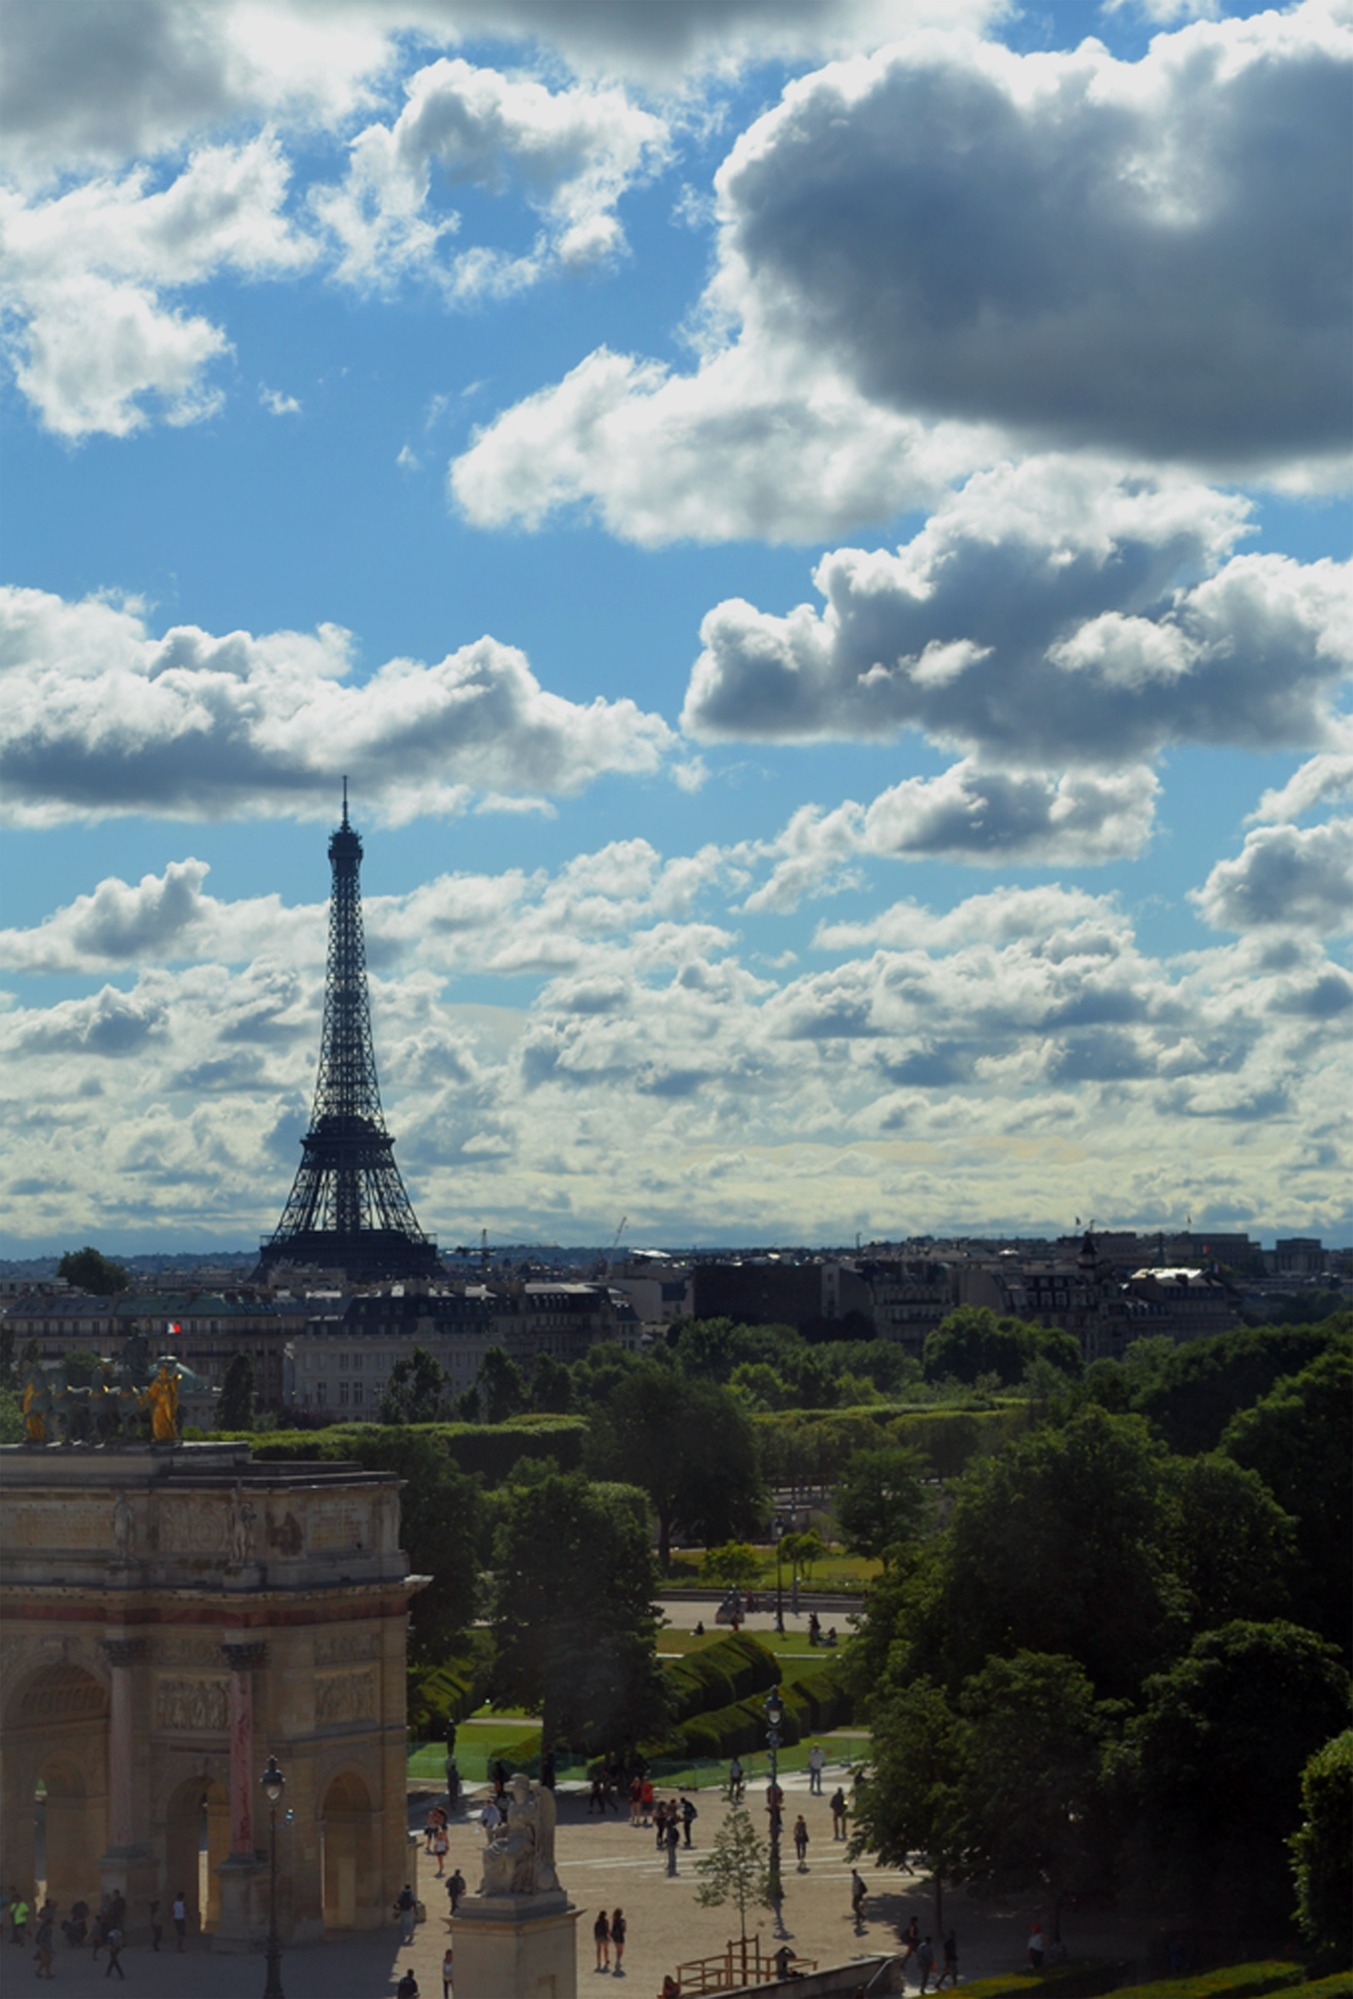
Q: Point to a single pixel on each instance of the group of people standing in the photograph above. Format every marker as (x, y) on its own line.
(107, 1933)
(608, 1934)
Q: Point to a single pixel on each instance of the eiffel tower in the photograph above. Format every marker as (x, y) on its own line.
(348, 1209)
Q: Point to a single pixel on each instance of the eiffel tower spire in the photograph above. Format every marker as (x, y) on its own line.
(347, 1209)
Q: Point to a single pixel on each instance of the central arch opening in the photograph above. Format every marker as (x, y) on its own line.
(197, 1841)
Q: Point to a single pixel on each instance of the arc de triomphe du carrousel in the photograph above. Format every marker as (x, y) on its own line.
(170, 1616)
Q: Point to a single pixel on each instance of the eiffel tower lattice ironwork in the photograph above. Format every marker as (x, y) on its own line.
(348, 1209)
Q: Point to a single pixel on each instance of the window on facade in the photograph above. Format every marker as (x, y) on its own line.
(357, 1393)
(321, 1393)
(343, 1394)
(342, 1363)
(357, 1363)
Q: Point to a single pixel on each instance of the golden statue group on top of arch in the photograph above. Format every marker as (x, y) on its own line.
(109, 1408)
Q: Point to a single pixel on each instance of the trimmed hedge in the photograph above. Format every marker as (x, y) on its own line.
(718, 1676)
(450, 1691)
(1080, 1978)
(1085, 1980)
(813, 1703)
(1339, 1985)
(491, 1449)
(816, 1445)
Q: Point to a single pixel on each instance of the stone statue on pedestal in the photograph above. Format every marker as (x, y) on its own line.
(519, 1859)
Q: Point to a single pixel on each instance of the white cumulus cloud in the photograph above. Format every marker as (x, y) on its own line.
(1287, 877)
(100, 718)
(929, 250)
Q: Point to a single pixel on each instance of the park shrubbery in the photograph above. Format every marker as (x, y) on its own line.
(1088, 1980)
(813, 1702)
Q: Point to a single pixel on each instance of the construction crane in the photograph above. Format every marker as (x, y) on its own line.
(615, 1243)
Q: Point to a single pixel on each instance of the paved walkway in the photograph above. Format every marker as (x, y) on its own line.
(600, 1863)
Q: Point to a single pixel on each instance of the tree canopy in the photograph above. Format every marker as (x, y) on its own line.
(235, 1410)
(973, 1342)
(881, 1500)
(572, 1614)
(1322, 1851)
(688, 1444)
(88, 1270)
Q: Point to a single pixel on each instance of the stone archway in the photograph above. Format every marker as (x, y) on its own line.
(353, 1893)
(197, 1840)
(54, 1803)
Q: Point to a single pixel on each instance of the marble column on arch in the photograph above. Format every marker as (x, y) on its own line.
(123, 1654)
(243, 1658)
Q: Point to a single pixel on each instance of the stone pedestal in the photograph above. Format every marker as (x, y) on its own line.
(516, 1946)
(244, 1905)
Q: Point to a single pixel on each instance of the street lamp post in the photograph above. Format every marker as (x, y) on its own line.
(778, 1530)
(274, 1783)
(775, 1714)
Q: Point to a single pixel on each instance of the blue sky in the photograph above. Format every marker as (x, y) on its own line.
(820, 535)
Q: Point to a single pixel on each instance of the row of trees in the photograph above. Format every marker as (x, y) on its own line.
(1111, 1665)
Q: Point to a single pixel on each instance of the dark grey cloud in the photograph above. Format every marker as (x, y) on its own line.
(1050, 611)
(106, 79)
(1155, 258)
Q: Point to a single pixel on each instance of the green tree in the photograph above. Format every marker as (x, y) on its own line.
(737, 1565)
(235, 1410)
(1322, 1851)
(973, 1341)
(572, 1615)
(802, 1550)
(502, 1389)
(1299, 1439)
(1231, 1546)
(689, 1445)
(736, 1868)
(88, 1271)
(551, 1387)
(907, 1799)
(1210, 1771)
(81, 1366)
(416, 1390)
(1028, 1789)
(881, 1501)
(1057, 1544)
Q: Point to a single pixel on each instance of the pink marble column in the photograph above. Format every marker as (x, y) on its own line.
(243, 1776)
(122, 1656)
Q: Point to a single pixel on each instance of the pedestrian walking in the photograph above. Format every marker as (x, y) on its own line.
(817, 1763)
(688, 1817)
(455, 1888)
(601, 1937)
(619, 1931)
(911, 1941)
(858, 1891)
(660, 1823)
(801, 1842)
(407, 1987)
(950, 1970)
(636, 1799)
(18, 1917)
(925, 1960)
(646, 1802)
(180, 1919)
(735, 1781)
(44, 1940)
(490, 1818)
(1036, 1946)
(406, 1908)
(838, 1804)
(115, 1940)
(673, 1838)
(156, 1927)
(440, 1844)
(446, 1973)
(597, 1801)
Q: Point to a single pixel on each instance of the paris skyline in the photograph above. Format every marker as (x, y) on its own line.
(821, 544)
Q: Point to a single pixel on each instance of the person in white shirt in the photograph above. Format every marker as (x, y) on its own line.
(816, 1764)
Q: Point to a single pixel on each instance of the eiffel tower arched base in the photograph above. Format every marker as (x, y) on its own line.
(367, 1255)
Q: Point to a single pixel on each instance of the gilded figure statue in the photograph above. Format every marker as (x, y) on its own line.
(163, 1399)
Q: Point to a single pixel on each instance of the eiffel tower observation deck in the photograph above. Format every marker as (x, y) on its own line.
(348, 1209)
